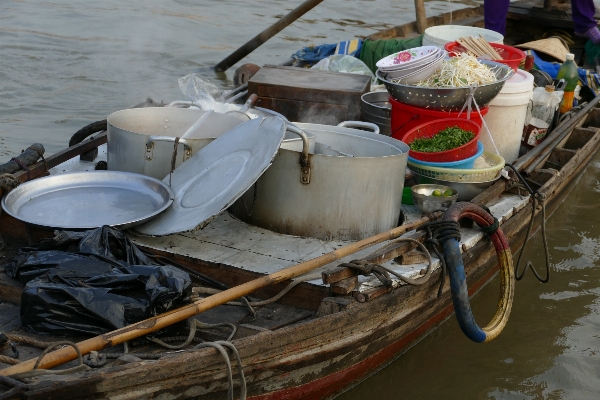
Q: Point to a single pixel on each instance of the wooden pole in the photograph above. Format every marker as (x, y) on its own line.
(265, 35)
(421, 15)
(145, 327)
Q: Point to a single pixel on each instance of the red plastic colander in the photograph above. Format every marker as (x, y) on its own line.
(432, 128)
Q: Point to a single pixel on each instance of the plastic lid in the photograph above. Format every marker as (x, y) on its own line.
(570, 56)
(521, 81)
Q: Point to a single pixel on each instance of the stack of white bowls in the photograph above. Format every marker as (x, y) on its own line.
(410, 66)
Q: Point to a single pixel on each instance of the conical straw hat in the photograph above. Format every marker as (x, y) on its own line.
(553, 46)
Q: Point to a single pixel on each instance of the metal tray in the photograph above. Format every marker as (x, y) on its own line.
(87, 200)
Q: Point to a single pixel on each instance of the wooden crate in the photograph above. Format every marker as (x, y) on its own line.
(305, 95)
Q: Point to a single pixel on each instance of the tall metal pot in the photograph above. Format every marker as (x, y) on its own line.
(348, 188)
(141, 140)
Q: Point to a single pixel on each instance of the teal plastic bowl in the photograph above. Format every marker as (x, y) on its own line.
(461, 164)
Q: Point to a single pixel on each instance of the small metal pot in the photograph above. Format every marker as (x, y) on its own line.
(376, 108)
(141, 140)
(348, 188)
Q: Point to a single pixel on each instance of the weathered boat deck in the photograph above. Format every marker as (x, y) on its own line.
(227, 241)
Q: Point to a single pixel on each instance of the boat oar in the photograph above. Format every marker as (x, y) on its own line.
(153, 324)
(265, 35)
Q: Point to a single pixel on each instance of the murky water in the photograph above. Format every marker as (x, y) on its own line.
(64, 64)
(550, 348)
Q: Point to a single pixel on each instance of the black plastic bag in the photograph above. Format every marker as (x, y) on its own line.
(92, 282)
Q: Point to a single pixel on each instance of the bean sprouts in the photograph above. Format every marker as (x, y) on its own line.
(460, 71)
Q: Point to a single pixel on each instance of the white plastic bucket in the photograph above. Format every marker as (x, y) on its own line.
(506, 116)
(442, 34)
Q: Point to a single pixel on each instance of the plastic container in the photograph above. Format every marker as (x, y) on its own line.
(484, 174)
(442, 34)
(511, 56)
(545, 105)
(406, 117)
(462, 164)
(432, 128)
(570, 73)
(495, 163)
(506, 116)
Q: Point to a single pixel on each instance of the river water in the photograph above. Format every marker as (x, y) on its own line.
(65, 64)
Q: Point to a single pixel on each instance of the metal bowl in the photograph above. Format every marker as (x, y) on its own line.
(448, 99)
(427, 203)
(467, 191)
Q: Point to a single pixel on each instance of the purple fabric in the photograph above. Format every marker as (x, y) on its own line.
(495, 12)
(583, 15)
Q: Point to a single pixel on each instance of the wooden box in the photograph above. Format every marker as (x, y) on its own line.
(305, 95)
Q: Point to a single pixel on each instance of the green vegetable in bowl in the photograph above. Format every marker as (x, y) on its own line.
(448, 193)
(437, 193)
(446, 139)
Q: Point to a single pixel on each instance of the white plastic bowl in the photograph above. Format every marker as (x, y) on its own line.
(422, 72)
(442, 34)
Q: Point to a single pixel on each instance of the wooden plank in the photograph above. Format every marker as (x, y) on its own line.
(10, 289)
(559, 157)
(10, 317)
(333, 305)
(305, 111)
(579, 138)
(412, 257)
(302, 80)
(345, 286)
(338, 274)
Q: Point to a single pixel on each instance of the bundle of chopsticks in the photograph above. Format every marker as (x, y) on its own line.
(479, 47)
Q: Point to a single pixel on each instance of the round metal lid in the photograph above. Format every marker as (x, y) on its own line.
(218, 175)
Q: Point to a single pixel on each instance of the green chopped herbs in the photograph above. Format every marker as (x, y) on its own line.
(447, 139)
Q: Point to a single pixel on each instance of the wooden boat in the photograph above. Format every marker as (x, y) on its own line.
(312, 343)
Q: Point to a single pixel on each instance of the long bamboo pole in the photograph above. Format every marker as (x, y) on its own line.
(265, 35)
(421, 15)
(150, 325)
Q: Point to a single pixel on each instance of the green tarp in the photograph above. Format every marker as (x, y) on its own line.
(374, 50)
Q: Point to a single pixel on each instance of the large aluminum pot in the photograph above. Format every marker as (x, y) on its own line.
(348, 188)
(141, 140)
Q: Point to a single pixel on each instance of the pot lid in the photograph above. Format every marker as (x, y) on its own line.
(217, 175)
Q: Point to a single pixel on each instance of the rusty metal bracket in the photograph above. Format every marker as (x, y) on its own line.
(149, 151)
(305, 168)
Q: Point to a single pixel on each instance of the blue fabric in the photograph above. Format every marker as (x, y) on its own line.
(314, 54)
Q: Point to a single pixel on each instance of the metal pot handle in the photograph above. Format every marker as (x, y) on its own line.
(150, 146)
(359, 124)
(304, 156)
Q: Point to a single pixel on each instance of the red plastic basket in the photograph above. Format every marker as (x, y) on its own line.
(432, 128)
(511, 56)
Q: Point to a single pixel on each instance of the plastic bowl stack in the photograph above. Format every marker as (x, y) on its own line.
(461, 157)
(410, 66)
(466, 168)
